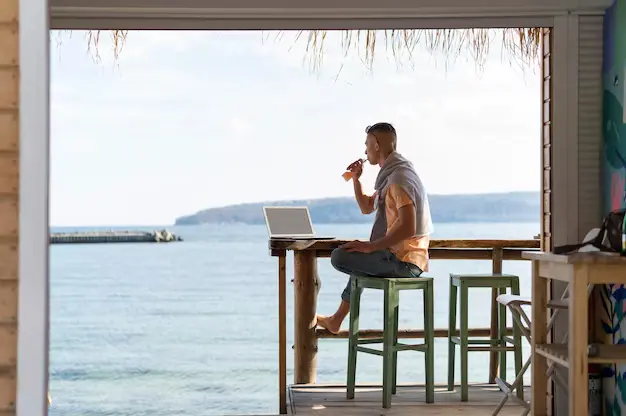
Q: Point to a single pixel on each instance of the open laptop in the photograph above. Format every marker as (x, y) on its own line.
(290, 222)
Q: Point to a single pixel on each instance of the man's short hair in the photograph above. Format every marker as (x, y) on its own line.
(380, 127)
(383, 128)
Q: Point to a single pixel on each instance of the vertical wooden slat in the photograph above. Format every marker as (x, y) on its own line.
(9, 182)
(546, 182)
(546, 141)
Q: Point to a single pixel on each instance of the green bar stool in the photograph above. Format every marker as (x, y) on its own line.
(500, 282)
(391, 288)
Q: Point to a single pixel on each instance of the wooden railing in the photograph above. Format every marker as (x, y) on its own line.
(306, 253)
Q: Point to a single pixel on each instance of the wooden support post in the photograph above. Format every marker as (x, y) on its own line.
(305, 302)
(9, 211)
(578, 340)
(539, 336)
(496, 259)
(282, 334)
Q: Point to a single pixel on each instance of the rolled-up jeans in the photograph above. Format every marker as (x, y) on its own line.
(382, 263)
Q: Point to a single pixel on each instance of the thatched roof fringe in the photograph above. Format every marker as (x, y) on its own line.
(522, 44)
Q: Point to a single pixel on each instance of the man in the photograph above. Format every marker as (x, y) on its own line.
(398, 245)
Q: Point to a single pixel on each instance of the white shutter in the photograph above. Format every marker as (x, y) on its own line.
(590, 143)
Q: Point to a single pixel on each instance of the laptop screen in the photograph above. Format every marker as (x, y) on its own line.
(288, 221)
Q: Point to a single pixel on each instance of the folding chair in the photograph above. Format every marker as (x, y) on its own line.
(514, 390)
(515, 303)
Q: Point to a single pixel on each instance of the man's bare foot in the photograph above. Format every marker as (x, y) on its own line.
(328, 323)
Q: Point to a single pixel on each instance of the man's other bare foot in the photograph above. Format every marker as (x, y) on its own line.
(328, 323)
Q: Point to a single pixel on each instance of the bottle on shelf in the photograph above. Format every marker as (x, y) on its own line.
(595, 390)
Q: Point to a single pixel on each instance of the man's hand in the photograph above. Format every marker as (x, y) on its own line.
(356, 168)
(358, 246)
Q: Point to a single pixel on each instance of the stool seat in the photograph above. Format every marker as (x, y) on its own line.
(492, 280)
(482, 276)
(401, 283)
(500, 344)
(515, 299)
(391, 286)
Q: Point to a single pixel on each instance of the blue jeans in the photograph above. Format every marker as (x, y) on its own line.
(381, 263)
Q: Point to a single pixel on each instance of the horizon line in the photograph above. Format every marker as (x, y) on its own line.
(263, 224)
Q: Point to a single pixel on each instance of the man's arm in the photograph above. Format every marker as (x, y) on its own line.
(404, 227)
(366, 203)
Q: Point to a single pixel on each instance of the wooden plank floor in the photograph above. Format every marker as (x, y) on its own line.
(327, 400)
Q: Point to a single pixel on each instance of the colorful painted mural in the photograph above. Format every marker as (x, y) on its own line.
(614, 123)
(613, 300)
(613, 297)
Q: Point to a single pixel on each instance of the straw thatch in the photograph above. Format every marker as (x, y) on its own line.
(118, 37)
(521, 44)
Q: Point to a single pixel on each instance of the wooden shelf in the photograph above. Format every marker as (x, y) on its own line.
(554, 352)
(559, 304)
(558, 353)
(579, 270)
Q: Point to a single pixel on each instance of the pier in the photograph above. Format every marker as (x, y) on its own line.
(306, 397)
(100, 237)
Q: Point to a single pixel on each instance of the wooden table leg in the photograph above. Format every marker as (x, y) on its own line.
(539, 335)
(496, 259)
(578, 339)
(282, 334)
(305, 304)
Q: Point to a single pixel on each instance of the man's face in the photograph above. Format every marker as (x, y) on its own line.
(371, 149)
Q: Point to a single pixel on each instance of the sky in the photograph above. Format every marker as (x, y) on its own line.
(184, 121)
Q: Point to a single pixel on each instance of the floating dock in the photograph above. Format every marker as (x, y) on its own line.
(99, 237)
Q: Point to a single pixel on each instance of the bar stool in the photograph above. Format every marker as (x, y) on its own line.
(391, 288)
(498, 281)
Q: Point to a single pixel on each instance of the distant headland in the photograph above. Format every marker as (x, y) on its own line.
(492, 207)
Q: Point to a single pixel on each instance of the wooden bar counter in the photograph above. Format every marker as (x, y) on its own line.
(306, 285)
(578, 270)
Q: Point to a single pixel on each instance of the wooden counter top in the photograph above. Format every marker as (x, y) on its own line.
(588, 257)
(290, 244)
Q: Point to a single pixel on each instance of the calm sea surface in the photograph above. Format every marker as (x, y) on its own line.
(190, 328)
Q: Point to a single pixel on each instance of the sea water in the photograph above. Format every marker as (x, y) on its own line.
(190, 328)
